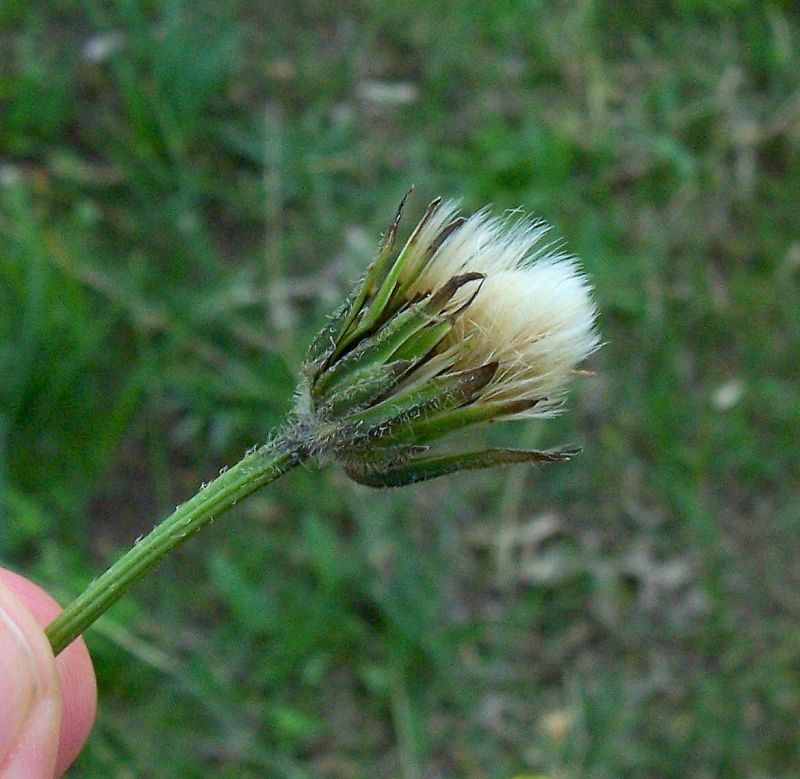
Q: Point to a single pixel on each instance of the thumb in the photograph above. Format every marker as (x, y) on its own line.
(30, 701)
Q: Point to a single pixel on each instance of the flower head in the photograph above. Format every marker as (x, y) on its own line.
(474, 320)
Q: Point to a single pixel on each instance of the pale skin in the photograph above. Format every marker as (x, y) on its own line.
(47, 705)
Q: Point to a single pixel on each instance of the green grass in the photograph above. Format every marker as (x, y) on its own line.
(185, 191)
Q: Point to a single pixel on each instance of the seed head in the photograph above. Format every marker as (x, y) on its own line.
(474, 320)
(534, 315)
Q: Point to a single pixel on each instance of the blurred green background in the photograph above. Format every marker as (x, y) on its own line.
(187, 188)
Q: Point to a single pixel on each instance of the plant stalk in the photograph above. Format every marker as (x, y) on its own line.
(253, 471)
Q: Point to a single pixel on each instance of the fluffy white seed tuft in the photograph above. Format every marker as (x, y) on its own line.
(533, 314)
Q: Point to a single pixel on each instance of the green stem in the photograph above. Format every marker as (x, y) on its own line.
(256, 469)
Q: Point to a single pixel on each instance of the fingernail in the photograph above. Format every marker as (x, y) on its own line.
(19, 675)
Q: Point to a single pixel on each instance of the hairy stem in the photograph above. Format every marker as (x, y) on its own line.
(256, 469)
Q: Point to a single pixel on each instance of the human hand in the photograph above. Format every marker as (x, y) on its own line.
(47, 705)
